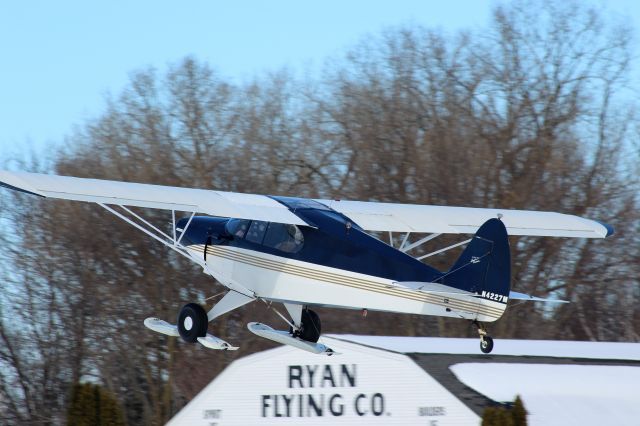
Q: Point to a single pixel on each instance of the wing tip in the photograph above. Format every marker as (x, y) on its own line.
(610, 230)
(11, 181)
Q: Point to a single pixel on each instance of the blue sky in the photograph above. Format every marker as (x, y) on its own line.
(60, 59)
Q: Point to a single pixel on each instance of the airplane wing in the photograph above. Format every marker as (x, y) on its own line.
(214, 203)
(373, 216)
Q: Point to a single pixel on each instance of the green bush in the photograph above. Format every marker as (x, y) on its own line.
(503, 416)
(518, 413)
(92, 405)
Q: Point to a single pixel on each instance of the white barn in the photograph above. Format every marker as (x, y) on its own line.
(360, 385)
(426, 381)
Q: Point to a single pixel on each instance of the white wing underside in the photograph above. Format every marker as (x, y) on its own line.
(371, 216)
(214, 203)
(374, 216)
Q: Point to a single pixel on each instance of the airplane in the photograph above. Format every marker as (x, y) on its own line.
(305, 253)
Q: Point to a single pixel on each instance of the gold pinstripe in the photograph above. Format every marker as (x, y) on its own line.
(362, 284)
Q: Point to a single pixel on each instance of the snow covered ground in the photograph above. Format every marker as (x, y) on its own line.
(561, 394)
(554, 394)
(552, 348)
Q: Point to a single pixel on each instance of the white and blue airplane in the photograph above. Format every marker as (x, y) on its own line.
(306, 253)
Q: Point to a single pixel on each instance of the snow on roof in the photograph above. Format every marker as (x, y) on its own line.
(560, 394)
(548, 348)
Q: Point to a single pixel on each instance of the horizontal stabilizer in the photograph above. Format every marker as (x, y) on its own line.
(286, 338)
(514, 295)
(427, 287)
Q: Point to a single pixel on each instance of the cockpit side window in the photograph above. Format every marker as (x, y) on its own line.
(256, 231)
(237, 227)
(284, 237)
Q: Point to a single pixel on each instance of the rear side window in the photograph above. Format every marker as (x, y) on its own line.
(256, 231)
(284, 237)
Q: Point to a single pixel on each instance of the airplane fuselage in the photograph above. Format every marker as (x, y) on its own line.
(334, 263)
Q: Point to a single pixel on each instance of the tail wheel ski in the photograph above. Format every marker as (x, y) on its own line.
(192, 322)
(310, 328)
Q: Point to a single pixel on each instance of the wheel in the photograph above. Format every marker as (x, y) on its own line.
(311, 327)
(486, 344)
(192, 322)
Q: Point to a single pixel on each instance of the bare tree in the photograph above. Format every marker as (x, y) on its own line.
(520, 117)
(529, 114)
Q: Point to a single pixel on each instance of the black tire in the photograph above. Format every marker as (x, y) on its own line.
(311, 327)
(192, 322)
(486, 344)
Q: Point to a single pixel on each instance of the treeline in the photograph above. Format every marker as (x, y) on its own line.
(531, 113)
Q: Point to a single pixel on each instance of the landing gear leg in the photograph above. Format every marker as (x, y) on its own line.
(310, 326)
(486, 342)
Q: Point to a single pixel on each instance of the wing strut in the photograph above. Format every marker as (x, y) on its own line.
(158, 235)
(417, 243)
(404, 241)
(442, 250)
(184, 231)
(146, 222)
(172, 243)
(405, 248)
(173, 223)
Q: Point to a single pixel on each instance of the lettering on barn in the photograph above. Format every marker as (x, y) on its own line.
(315, 391)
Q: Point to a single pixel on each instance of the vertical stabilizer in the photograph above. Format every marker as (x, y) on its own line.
(484, 267)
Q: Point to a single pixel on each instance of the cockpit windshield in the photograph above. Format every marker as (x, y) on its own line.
(300, 203)
(237, 227)
(280, 236)
(284, 237)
